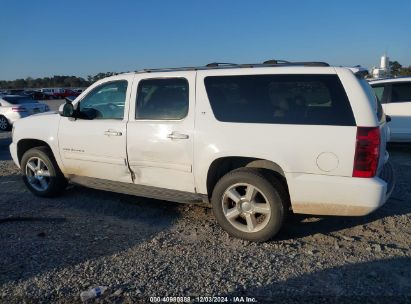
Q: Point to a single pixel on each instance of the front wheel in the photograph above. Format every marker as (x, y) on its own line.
(41, 173)
(248, 205)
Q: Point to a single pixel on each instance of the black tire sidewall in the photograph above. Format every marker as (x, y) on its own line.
(57, 180)
(273, 196)
(7, 126)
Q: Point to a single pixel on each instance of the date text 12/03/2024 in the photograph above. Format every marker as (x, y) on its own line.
(199, 299)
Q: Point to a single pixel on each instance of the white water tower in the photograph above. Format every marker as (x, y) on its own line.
(384, 70)
(385, 62)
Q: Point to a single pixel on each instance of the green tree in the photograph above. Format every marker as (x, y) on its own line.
(405, 71)
(55, 81)
(395, 67)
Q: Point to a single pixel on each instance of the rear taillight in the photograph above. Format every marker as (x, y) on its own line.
(18, 109)
(367, 152)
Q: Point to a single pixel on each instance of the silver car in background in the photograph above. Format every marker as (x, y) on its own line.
(14, 107)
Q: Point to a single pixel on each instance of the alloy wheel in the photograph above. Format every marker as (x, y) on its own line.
(38, 175)
(246, 207)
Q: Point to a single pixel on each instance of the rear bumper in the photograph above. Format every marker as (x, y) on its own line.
(344, 196)
(388, 175)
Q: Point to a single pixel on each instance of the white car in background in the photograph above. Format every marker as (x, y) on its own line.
(14, 107)
(395, 97)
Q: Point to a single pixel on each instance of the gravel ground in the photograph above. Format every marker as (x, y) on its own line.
(52, 249)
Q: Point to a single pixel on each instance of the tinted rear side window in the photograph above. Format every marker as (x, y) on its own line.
(162, 99)
(280, 99)
(401, 92)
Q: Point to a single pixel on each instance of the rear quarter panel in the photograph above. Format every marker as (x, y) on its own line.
(363, 105)
(295, 148)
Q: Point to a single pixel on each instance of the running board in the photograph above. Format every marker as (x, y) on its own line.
(139, 190)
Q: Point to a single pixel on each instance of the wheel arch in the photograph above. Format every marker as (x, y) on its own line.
(23, 145)
(221, 166)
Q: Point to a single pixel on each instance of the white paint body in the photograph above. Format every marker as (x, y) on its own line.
(400, 112)
(317, 161)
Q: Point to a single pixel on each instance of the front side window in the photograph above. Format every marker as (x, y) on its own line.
(162, 99)
(401, 92)
(105, 101)
(280, 99)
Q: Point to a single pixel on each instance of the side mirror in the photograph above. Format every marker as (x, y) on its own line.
(388, 118)
(66, 110)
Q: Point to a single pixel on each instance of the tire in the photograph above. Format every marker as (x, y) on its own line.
(254, 217)
(48, 180)
(4, 123)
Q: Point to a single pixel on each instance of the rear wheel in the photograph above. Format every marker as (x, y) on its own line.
(248, 205)
(41, 173)
(4, 124)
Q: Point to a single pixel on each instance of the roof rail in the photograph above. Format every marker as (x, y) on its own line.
(168, 69)
(275, 61)
(222, 65)
(218, 64)
(304, 63)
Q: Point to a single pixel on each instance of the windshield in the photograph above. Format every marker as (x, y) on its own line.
(18, 99)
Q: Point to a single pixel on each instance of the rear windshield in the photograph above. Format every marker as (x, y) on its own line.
(280, 99)
(18, 99)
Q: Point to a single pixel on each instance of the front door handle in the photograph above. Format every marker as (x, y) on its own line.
(112, 133)
(176, 135)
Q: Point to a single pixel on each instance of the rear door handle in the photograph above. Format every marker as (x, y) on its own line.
(176, 135)
(112, 133)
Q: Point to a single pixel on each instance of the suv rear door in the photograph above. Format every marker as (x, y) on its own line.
(160, 130)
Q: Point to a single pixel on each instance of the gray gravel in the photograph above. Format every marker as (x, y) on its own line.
(52, 249)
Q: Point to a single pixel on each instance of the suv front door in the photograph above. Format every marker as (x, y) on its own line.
(94, 145)
(160, 130)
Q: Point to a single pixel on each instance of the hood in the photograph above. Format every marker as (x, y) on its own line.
(45, 113)
(43, 120)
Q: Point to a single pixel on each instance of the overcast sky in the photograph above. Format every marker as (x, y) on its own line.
(46, 38)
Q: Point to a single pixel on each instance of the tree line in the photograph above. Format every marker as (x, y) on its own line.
(397, 70)
(55, 81)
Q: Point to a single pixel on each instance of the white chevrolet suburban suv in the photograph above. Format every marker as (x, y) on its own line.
(255, 140)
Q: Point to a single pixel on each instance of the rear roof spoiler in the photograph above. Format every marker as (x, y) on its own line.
(359, 71)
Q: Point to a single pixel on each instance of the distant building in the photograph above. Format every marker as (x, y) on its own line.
(384, 70)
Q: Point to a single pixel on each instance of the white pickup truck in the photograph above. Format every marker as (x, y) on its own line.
(254, 140)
